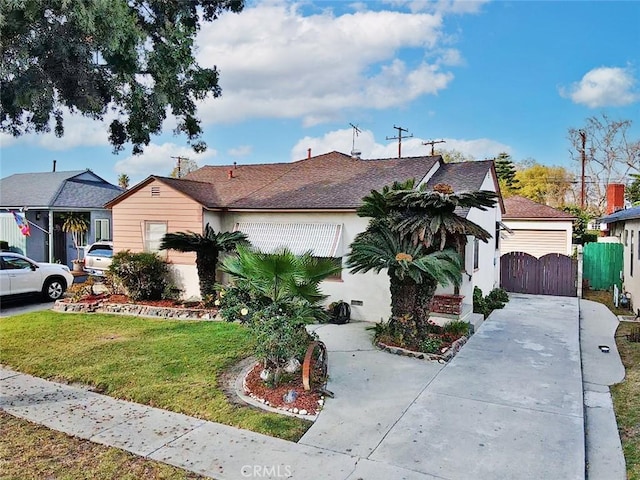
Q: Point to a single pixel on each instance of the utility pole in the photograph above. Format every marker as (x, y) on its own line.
(432, 143)
(179, 160)
(399, 138)
(583, 137)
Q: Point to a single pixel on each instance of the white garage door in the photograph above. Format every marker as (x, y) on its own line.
(535, 242)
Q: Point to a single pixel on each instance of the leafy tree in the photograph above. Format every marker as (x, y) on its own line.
(135, 58)
(583, 217)
(610, 154)
(415, 235)
(185, 165)
(207, 247)
(632, 191)
(544, 184)
(506, 172)
(123, 181)
(455, 156)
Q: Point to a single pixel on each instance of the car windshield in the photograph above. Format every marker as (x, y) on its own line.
(100, 251)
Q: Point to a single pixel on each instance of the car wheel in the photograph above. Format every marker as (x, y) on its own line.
(53, 289)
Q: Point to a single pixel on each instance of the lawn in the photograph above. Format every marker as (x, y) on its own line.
(174, 365)
(28, 450)
(625, 395)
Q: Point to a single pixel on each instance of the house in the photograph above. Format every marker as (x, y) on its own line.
(535, 228)
(43, 198)
(307, 204)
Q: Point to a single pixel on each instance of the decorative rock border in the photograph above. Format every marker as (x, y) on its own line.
(137, 310)
(443, 358)
(241, 391)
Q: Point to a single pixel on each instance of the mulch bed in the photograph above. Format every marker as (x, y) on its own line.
(309, 401)
(124, 299)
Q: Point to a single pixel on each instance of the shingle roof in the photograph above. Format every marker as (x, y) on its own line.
(330, 181)
(626, 214)
(69, 189)
(518, 207)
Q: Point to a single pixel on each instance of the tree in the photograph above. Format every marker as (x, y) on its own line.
(632, 191)
(610, 155)
(580, 234)
(135, 58)
(417, 237)
(207, 247)
(76, 224)
(547, 185)
(506, 172)
(184, 166)
(123, 181)
(454, 156)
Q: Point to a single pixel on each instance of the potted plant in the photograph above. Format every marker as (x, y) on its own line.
(75, 224)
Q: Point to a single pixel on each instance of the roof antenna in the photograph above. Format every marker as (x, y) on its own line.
(356, 131)
(432, 143)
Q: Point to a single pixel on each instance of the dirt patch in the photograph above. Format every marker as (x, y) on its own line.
(124, 299)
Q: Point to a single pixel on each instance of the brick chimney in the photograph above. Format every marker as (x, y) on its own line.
(615, 197)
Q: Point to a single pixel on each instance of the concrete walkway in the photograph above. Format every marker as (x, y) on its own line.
(509, 405)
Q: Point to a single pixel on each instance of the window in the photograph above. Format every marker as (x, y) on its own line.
(626, 237)
(476, 253)
(101, 227)
(631, 256)
(153, 233)
(83, 239)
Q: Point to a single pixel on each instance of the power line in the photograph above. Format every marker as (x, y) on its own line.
(432, 143)
(399, 138)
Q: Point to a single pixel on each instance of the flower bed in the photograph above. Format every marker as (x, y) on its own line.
(120, 304)
(445, 355)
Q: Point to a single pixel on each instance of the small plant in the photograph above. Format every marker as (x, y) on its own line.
(78, 291)
(76, 224)
(456, 328)
(431, 344)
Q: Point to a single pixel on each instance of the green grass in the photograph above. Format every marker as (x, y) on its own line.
(174, 365)
(30, 451)
(625, 399)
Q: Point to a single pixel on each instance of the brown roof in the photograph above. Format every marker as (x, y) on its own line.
(326, 182)
(330, 181)
(518, 207)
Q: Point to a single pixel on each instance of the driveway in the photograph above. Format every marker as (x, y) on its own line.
(509, 405)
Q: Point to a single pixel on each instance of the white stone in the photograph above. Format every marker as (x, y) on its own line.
(292, 366)
(302, 412)
(295, 410)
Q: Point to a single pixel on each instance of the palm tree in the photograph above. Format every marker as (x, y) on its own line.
(207, 247)
(417, 236)
(281, 276)
(123, 181)
(76, 224)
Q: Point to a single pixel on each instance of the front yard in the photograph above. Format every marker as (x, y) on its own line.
(174, 365)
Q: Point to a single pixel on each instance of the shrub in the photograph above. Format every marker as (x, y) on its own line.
(495, 300)
(457, 328)
(144, 276)
(431, 345)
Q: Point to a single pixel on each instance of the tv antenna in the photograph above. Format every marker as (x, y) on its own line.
(432, 143)
(399, 138)
(356, 132)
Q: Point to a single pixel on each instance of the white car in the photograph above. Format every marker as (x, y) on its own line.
(97, 258)
(20, 275)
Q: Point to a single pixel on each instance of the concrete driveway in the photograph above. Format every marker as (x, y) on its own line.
(509, 405)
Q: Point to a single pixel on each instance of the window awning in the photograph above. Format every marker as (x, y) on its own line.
(323, 239)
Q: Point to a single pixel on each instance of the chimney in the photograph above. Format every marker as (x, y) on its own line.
(615, 197)
(308, 153)
(230, 174)
(54, 165)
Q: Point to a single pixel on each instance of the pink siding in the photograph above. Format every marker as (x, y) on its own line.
(179, 211)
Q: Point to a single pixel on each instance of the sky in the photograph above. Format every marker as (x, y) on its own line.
(485, 77)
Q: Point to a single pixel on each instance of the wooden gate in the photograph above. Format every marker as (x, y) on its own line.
(551, 274)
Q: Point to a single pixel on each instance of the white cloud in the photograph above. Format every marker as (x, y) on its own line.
(157, 160)
(241, 151)
(276, 63)
(604, 87)
(365, 142)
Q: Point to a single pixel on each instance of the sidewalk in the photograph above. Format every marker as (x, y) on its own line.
(509, 405)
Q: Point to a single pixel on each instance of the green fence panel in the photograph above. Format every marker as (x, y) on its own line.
(602, 265)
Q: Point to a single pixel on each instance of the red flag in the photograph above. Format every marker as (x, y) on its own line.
(22, 224)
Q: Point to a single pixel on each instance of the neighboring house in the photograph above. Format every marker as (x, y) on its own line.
(535, 228)
(625, 226)
(305, 205)
(43, 199)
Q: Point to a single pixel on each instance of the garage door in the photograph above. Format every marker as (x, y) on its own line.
(535, 242)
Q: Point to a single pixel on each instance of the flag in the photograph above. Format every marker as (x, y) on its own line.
(23, 225)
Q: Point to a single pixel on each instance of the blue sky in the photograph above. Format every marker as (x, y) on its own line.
(487, 77)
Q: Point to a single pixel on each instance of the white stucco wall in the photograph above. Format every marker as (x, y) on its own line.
(630, 229)
(370, 289)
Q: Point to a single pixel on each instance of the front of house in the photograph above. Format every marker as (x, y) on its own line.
(305, 205)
